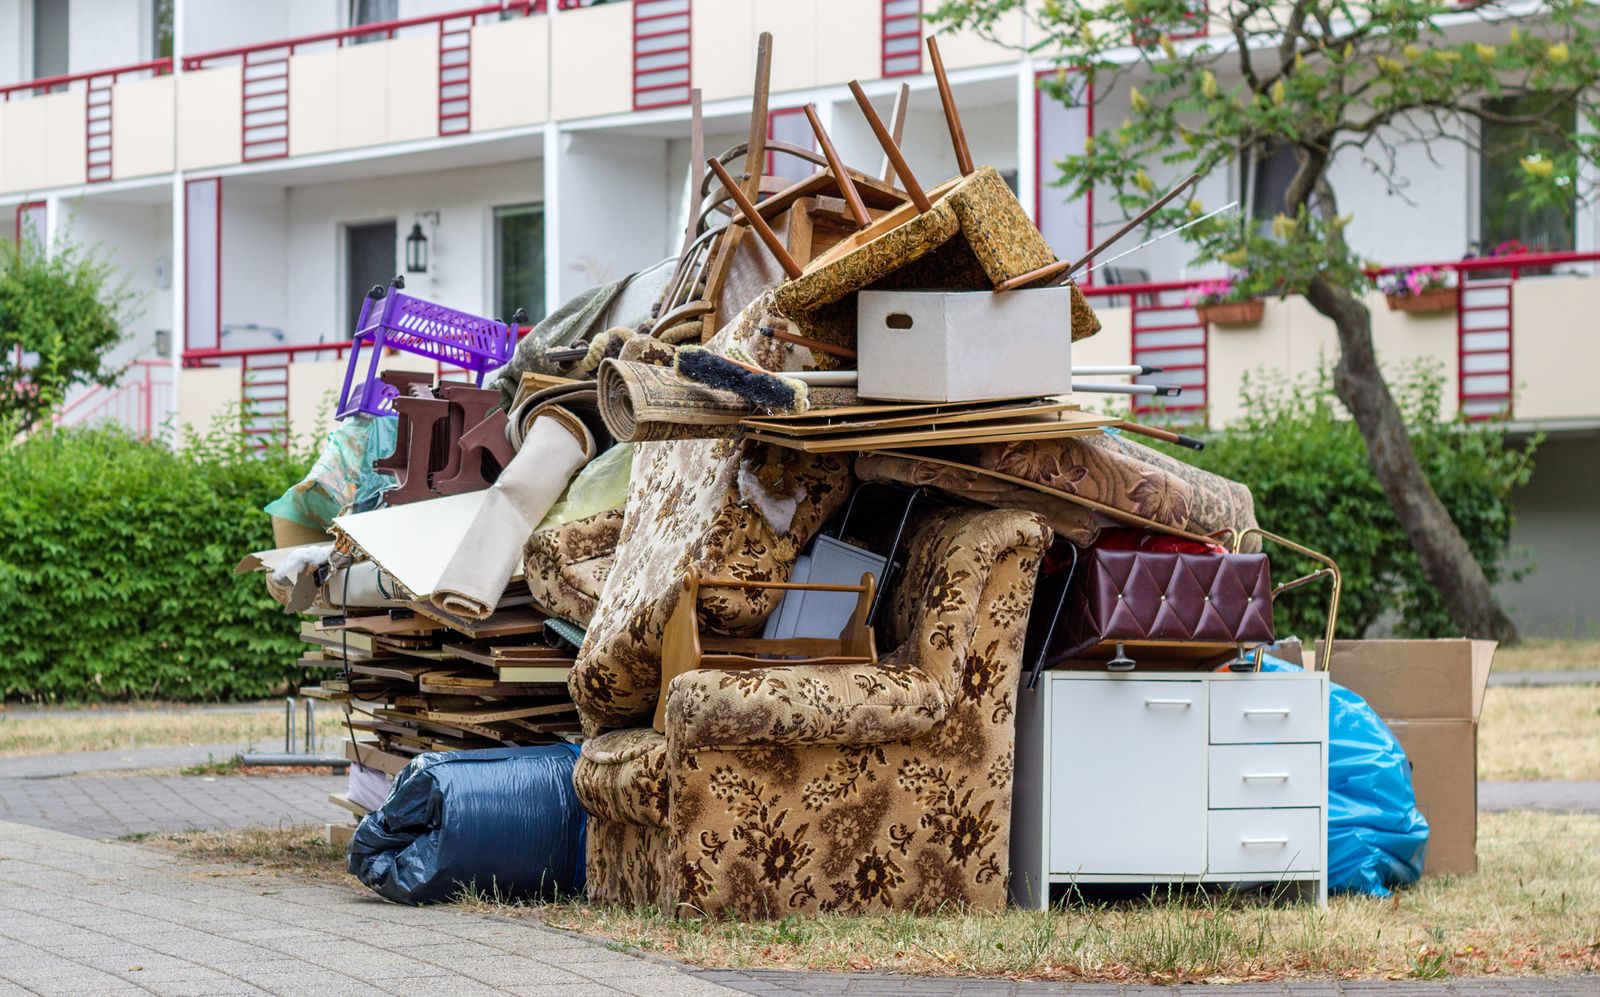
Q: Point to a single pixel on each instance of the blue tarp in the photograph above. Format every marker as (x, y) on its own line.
(502, 820)
(1376, 835)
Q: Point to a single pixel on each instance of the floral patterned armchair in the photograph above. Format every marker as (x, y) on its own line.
(836, 787)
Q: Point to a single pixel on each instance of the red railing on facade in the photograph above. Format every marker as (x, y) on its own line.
(139, 400)
(265, 70)
(901, 48)
(97, 107)
(1167, 333)
(661, 44)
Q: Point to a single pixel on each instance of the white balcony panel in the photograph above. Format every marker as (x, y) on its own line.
(313, 102)
(510, 74)
(22, 134)
(851, 53)
(362, 96)
(413, 87)
(591, 61)
(209, 115)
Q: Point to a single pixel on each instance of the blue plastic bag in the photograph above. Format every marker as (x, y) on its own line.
(503, 820)
(1376, 835)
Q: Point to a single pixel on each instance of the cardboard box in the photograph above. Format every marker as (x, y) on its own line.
(1430, 693)
(964, 346)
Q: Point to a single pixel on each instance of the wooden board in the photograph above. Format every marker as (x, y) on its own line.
(495, 656)
(535, 673)
(992, 412)
(1065, 424)
(383, 623)
(344, 802)
(404, 672)
(339, 835)
(451, 682)
(495, 714)
(505, 622)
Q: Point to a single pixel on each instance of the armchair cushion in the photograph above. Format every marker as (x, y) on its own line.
(622, 776)
(567, 565)
(802, 705)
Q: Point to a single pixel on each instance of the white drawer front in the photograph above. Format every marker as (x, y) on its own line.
(1252, 711)
(1266, 775)
(1264, 842)
(1127, 777)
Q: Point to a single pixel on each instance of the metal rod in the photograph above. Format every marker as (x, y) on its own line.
(758, 223)
(1151, 242)
(1160, 390)
(311, 725)
(288, 725)
(1137, 219)
(1112, 370)
(892, 150)
(847, 186)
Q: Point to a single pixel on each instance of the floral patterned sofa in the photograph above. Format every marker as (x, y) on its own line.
(835, 787)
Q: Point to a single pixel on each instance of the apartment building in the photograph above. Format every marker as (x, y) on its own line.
(254, 167)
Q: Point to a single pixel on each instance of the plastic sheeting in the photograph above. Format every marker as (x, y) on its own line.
(602, 485)
(501, 820)
(1376, 835)
(342, 476)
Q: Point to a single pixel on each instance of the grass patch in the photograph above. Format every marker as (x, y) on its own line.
(300, 850)
(1540, 733)
(1538, 654)
(1533, 910)
(110, 728)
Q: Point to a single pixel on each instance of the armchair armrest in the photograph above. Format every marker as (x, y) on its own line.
(808, 704)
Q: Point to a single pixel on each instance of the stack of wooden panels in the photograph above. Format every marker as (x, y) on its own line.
(418, 680)
(913, 424)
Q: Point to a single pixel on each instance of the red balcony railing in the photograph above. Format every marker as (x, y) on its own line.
(97, 107)
(138, 400)
(661, 70)
(901, 38)
(265, 70)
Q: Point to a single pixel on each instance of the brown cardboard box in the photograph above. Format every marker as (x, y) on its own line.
(1429, 692)
(1444, 772)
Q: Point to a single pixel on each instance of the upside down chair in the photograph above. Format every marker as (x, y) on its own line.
(800, 788)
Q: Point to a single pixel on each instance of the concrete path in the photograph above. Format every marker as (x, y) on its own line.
(115, 760)
(1578, 676)
(84, 917)
(1566, 797)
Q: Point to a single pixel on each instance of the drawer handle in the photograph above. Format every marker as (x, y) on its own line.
(1169, 702)
(1283, 776)
(1277, 842)
(1268, 711)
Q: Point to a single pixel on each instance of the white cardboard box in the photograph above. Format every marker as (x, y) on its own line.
(963, 346)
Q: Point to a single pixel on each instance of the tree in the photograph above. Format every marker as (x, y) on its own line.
(1328, 79)
(59, 314)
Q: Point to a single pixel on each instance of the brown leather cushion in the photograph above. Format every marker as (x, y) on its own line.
(623, 776)
(1132, 595)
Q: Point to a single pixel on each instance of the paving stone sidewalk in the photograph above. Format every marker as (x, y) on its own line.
(115, 760)
(106, 918)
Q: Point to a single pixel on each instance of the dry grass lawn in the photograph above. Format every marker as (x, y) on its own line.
(1537, 655)
(107, 728)
(1534, 909)
(1540, 733)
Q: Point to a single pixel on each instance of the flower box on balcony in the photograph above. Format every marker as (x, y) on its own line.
(1442, 299)
(1232, 312)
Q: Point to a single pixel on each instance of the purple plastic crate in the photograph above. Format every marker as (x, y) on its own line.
(421, 327)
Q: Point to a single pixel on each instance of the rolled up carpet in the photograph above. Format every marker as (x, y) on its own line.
(642, 402)
(555, 446)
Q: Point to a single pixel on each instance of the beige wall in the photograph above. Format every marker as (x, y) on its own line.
(142, 127)
(591, 61)
(43, 142)
(1554, 349)
(208, 118)
(965, 48)
(510, 78)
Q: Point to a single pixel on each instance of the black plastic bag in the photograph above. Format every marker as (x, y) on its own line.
(505, 821)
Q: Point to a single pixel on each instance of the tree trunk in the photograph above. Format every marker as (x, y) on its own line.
(1444, 555)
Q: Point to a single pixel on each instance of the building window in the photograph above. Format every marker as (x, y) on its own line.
(519, 260)
(1504, 212)
(372, 12)
(50, 45)
(161, 38)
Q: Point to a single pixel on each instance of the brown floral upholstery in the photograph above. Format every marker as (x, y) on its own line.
(695, 502)
(567, 565)
(836, 787)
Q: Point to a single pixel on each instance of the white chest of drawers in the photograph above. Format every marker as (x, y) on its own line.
(1155, 777)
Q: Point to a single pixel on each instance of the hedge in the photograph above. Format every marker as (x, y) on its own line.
(116, 561)
(1307, 466)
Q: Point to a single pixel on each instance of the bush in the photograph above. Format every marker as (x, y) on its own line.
(116, 560)
(1306, 463)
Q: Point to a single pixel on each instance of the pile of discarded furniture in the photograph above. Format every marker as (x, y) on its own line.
(785, 532)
